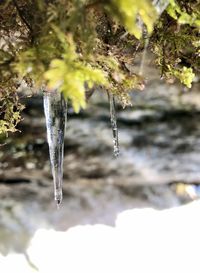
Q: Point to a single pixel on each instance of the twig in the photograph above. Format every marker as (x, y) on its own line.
(21, 15)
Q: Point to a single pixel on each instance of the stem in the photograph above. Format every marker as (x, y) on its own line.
(21, 15)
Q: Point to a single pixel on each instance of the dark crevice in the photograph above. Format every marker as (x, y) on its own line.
(11, 181)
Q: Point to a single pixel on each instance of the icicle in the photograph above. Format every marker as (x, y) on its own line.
(113, 120)
(55, 110)
(146, 43)
(160, 6)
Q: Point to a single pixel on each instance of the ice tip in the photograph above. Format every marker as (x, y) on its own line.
(116, 153)
(58, 203)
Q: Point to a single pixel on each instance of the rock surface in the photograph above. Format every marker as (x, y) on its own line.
(158, 165)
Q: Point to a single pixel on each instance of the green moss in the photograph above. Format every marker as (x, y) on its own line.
(74, 45)
(10, 112)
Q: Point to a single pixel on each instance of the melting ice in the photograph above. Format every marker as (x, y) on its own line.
(113, 120)
(55, 110)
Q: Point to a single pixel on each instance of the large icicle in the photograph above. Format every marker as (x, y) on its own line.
(113, 120)
(55, 110)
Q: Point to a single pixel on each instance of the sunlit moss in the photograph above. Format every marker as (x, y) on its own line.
(75, 45)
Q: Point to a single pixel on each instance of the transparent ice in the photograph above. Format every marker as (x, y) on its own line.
(55, 110)
(113, 120)
(144, 53)
(160, 6)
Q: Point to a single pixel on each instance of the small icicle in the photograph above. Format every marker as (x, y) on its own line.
(55, 110)
(160, 5)
(113, 120)
(146, 43)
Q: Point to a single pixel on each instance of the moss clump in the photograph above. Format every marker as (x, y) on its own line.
(76, 45)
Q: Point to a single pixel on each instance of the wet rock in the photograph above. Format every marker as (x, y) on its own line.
(158, 164)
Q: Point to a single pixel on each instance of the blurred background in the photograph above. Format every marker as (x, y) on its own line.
(137, 213)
